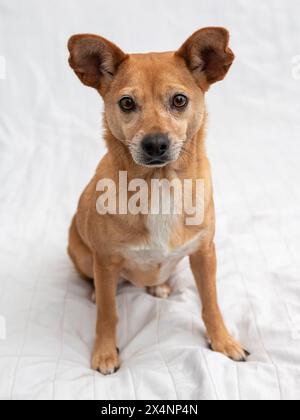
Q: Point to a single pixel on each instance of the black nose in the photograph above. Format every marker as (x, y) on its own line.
(155, 145)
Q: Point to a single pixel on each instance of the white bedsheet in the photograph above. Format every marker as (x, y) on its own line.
(50, 143)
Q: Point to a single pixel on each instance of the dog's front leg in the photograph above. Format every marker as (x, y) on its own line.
(204, 267)
(105, 356)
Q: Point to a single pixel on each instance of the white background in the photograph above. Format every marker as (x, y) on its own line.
(50, 144)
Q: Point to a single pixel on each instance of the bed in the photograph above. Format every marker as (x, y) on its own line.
(50, 144)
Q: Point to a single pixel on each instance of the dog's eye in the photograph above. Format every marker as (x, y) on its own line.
(180, 101)
(127, 104)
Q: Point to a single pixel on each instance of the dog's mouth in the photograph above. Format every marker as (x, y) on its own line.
(157, 162)
(153, 163)
(142, 160)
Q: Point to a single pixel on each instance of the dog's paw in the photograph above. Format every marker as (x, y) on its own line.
(163, 291)
(105, 361)
(230, 348)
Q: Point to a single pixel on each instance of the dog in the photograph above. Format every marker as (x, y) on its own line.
(155, 124)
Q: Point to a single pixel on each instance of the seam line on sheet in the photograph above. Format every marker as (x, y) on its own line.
(238, 382)
(127, 339)
(127, 316)
(61, 339)
(259, 332)
(132, 382)
(206, 363)
(209, 373)
(158, 308)
(80, 364)
(94, 385)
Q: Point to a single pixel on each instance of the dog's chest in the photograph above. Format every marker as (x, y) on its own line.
(157, 248)
(160, 254)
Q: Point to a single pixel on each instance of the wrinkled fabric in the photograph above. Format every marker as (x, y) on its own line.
(50, 144)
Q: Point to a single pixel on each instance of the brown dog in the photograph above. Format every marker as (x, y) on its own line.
(154, 129)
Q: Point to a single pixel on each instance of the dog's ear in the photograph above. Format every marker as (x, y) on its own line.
(94, 59)
(208, 55)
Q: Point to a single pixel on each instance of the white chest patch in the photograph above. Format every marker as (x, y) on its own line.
(157, 251)
(160, 228)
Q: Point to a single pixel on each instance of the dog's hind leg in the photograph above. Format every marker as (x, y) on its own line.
(80, 253)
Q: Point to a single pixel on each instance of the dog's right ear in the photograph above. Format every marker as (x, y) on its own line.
(94, 59)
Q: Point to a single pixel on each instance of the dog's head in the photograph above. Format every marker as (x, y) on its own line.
(154, 102)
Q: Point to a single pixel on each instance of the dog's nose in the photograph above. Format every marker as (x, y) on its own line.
(155, 145)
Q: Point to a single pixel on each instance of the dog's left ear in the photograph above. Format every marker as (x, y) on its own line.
(208, 55)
